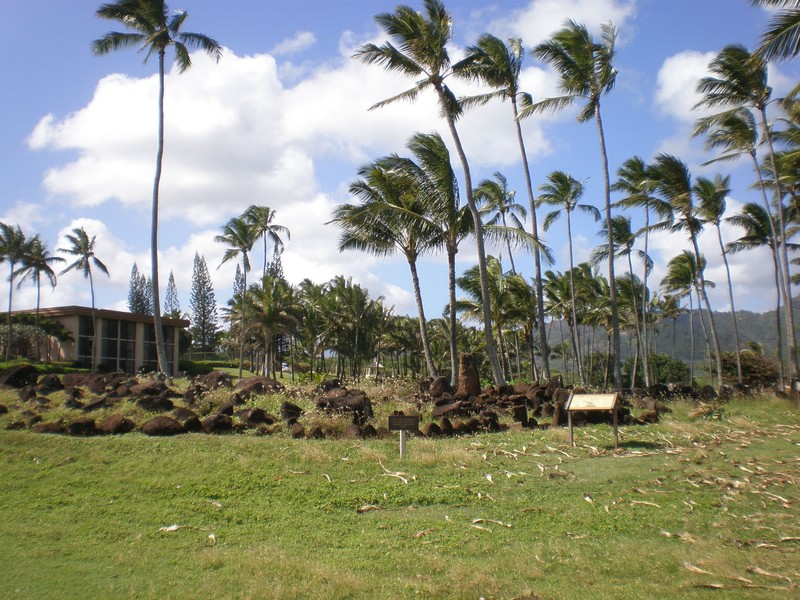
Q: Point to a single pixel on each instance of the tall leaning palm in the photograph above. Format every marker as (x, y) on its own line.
(739, 80)
(82, 246)
(673, 182)
(711, 194)
(498, 206)
(13, 248)
(498, 65)
(781, 38)
(586, 71)
(261, 220)
(421, 52)
(154, 29)
(35, 263)
(565, 191)
(239, 236)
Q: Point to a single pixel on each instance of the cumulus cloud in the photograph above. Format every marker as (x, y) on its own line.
(301, 40)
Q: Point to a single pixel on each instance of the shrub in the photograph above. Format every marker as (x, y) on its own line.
(757, 370)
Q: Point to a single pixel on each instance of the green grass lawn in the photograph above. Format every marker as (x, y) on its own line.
(686, 508)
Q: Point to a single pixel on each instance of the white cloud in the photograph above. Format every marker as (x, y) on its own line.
(676, 86)
(542, 18)
(302, 40)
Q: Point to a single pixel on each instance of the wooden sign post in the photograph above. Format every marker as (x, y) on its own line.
(403, 423)
(587, 402)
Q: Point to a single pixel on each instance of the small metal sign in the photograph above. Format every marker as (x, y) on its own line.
(586, 402)
(403, 422)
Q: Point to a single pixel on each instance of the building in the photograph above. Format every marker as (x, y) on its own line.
(126, 341)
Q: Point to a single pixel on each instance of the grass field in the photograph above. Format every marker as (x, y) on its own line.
(688, 508)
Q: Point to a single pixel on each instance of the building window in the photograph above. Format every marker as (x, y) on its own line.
(85, 341)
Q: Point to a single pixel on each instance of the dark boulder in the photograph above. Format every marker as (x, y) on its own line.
(155, 404)
(431, 430)
(95, 404)
(351, 432)
(26, 393)
(256, 386)
(290, 411)
(353, 402)
(216, 379)
(48, 384)
(72, 402)
(51, 427)
(19, 376)
(327, 385)
(519, 413)
(83, 426)
(452, 409)
(162, 425)
(217, 423)
(297, 431)
(3, 409)
(115, 424)
(255, 416)
(226, 409)
(439, 386)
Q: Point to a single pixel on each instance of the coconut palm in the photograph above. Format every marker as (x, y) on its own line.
(239, 236)
(35, 263)
(634, 181)
(154, 29)
(683, 274)
(674, 183)
(261, 219)
(740, 80)
(498, 65)
(565, 191)
(586, 71)
(781, 38)
(758, 233)
(433, 173)
(14, 246)
(421, 51)
(711, 195)
(83, 247)
(275, 310)
(498, 206)
(389, 219)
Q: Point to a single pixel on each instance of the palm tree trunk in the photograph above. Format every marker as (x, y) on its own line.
(423, 324)
(161, 353)
(705, 334)
(537, 260)
(10, 293)
(491, 348)
(573, 330)
(93, 353)
(451, 278)
(645, 356)
(691, 340)
(779, 340)
(788, 307)
(733, 307)
(712, 325)
(612, 283)
(244, 309)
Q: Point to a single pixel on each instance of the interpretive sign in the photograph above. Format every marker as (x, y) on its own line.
(403, 423)
(586, 402)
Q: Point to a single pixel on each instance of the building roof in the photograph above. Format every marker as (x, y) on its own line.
(103, 313)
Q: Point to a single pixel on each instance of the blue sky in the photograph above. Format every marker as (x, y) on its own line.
(282, 121)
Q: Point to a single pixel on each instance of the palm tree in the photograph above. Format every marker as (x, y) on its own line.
(681, 279)
(673, 182)
(565, 191)
(239, 236)
(781, 38)
(260, 219)
(35, 263)
(14, 246)
(497, 204)
(83, 247)
(388, 219)
(739, 80)
(498, 65)
(758, 232)
(624, 239)
(154, 29)
(421, 51)
(633, 180)
(276, 310)
(712, 194)
(433, 173)
(586, 71)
